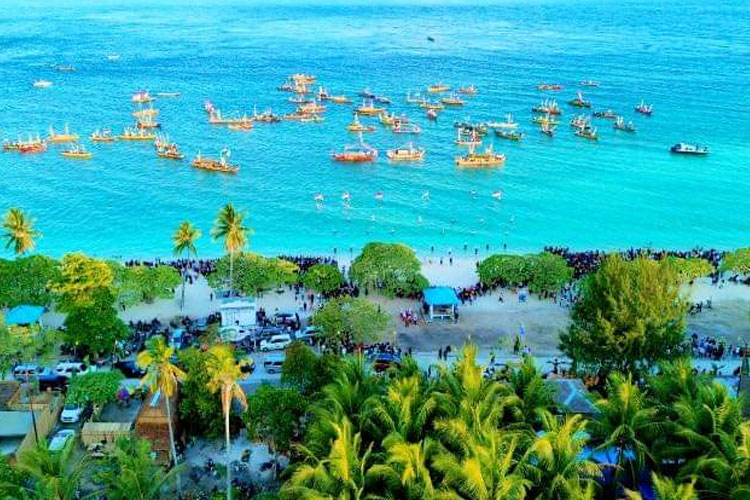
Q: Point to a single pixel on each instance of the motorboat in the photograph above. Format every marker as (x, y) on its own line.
(587, 133)
(359, 127)
(466, 137)
(438, 88)
(468, 90)
(580, 121)
(553, 87)
(220, 165)
(66, 136)
(141, 97)
(488, 158)
(406, 153)
(437, 106)
(511, 135)
(684, 148)
(452, 100)
(131, 134)
(621, 125)
(589, 83)
(77, 152)
(644, 109)
(579, 101)
(547, 106)
(609, 114)
(508, 124)
(366, 94)
(168, 94)
(41, 84)
(406, 128)
(432, 114)
(357, 153)
(368, 108)
(103, 135)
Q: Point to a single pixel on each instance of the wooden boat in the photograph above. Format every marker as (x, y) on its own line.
(368, 108)
(547, 106)
(580, 121)
(312, 108)
(579, 101)
(101, 136)
(77, 152)
(41, 84)
(322, 94)
(545, 120)
(452, 100)
(488, 158)
(547, 130)
(511, 135)
(266, 116)
(170, 152)
(554, 87)
(65, 68)
(31, 145)
(66, 136)
(168, 94)
(438, 88)
(303, 79)
(621, 125)
(149, 112)
(587, 133)
(468, 90)
(340, 99)
(357, 126)
(508, 124)
(244, 124)
(220, 165)
(141, 97)
(366, 94)
(130, 134)
(437, 106)
(358, 153)
(406, 153)
(311, 118)
(468, 138)
(147, 123)
(644, 109)
(609, 114)
(406, 128)
(301, 89)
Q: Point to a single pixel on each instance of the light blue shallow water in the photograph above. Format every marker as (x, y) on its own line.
(690, 58)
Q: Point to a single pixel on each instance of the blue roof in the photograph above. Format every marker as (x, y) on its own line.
(440, 296)
(24, 315)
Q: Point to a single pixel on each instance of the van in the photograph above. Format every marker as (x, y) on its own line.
(273, 363)
(70, 368)
(23, 372)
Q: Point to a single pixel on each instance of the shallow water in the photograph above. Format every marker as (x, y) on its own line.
(688, 58)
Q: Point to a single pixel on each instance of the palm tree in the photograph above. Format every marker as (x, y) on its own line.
(725, 475)
(666, 489)
(405, 410)
(19, 231)
(534, 395)
(224, 374)
(184, 243)
(554, 463)
(164, 376)
(230, 227)
(132, 474)
(408, 464)
(55, 475)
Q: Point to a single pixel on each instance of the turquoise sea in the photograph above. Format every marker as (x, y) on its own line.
(690, 58)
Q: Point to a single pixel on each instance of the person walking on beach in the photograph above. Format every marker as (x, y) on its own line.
(440, 353)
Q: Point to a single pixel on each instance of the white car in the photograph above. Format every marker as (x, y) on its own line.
(70, 414)
(276, 343)
(70, 368)
(60, 439)
(308, 334)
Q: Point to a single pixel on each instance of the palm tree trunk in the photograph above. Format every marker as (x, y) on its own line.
(184, 279)
(229, 466)
(231, 270)
(172, 448)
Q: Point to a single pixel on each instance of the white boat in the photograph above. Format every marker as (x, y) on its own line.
(508, 124)
(684, 148)
(113, 57)
(42, 84)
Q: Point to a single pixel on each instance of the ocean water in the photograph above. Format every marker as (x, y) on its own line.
(690, 58)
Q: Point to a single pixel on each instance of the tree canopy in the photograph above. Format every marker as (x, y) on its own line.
(93, 328)
(347, 318)
(323, 278)
(145, 284)
(25, 280)
(544, 272)
(392, 268)
(737, 261)
(274, 416)
(96, 387)
(81, 278)
(253, 273)
(630, 315)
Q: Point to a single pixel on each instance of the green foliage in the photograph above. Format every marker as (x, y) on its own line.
(305, 370)
(98, 388)
(25, 280)
(253, 273)
(146, 284)
(737, 261)
(690, 268)
(544, 272)
(323, 278)
(392, 268)
(274, 416)
(348, 318)
(94, 328)
(200, 409)
(630, 315)
(11, 480)
(80, 280)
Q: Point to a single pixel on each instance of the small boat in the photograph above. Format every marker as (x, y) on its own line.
(215, 118)
(35, 146)
(644, 109)
(319, 198)
(684, 148)
(345, 196)
(432, 114)
(488, 158)
(468, 137)
(553, 87)
(480, 128)
(66, 136)
(220, 165)
(390, 120)
(414, 98)
(508, 124)
(243, 125)
(452, 100)
(141, 97)
(302, 79)
(425, 196)
(430, 39)
(357, 126)
(208, 107)
(498, 195)
(77, 152)
(621, 125)
(101, 136)
(301, 89)
(311, 108)
(168, 94)
(65, 68)
(379, 196)
(579, 101)
(368, 108)
(589, 83)
(340, 99)
(511, 135)
(548, 130)
(113, 57)
(406, 128)
(381, 99)
(148, 112)
(545, 120)
(147, 123)
(131, 134)
(41, 84)
(366, 94)
(468, 90)
(170, 152)
(438, 88)
(547, 106)
(266, 116)
(609, 114)
(580, 121)
(437, 106)
(406, 153)
(286, 87)
(587, 133)
(358, 153)
(323, 94)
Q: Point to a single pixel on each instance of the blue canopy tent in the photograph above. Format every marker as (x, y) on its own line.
(24, 315)
(440, 302)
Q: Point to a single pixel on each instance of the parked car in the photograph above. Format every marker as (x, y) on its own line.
(24, 371)
(275, 343)
(70, 414)
(50, 381)
(70, 368)
(60, 439)
(384, 360)
(308, 334)
(286, 319)
(130, 369)
(273, 363)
